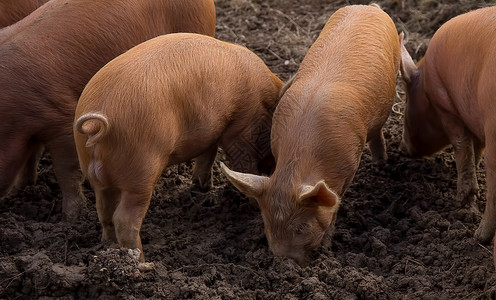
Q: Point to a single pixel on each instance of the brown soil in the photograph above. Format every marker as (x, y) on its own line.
(399, 233)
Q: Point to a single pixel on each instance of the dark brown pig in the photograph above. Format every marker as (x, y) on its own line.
(12, 11)
(47, 58)
(451, 100)
(338, 100)
(169, 100)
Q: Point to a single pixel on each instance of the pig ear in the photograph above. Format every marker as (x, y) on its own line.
(408, 68)
(250, 185)
(318, 195)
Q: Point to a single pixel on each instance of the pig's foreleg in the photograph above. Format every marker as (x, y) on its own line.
(29, 174)
(69, 176)
(467, 186)
(377, 147)
(202, 170)
(13, 156)
(478, 151)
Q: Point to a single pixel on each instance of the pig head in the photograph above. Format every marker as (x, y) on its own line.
(295, 219)
(450, 101)
(47, 58)
(338, 101)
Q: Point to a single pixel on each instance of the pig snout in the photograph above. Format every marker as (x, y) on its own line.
(285, 250)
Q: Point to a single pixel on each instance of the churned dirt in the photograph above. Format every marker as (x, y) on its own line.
(399, 232)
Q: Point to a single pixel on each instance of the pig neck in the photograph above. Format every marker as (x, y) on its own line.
(318, 134)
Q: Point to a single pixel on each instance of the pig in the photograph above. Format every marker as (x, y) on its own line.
(12, 11)
(450, 100)
(338, 100)
(169, 100)
(47, 58)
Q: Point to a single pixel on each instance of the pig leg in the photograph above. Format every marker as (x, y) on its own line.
(106, 203)
(202, 170)
(478, 151)
(14, 153)
(465, 147)
(129, 216)
(467, 186)
(377, 147)
(29, 174)
(70, 178)
(487, 227)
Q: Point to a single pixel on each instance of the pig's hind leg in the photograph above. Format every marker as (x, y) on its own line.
(202, 170)
(129, 216)
(377, 146)
(136, 188)
(106, 203)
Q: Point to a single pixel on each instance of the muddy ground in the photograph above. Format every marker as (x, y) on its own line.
(399, 233)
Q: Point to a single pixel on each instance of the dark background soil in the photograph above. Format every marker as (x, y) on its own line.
(399, 233)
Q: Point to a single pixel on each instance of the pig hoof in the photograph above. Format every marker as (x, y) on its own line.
(146, 266)
(70, 217)
(380, 159)
(484, 234)
(202, 184)
(196, 187)
(467, 200)
(379, 156)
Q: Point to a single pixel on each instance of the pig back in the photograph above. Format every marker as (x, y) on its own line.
(341, 95)
(357, 47)
(52, 42)
(348, 75)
